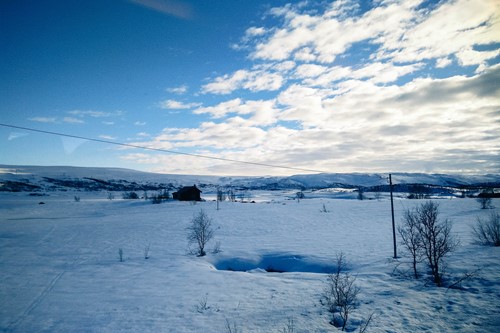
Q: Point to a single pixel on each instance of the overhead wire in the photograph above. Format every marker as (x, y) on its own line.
(129, 145)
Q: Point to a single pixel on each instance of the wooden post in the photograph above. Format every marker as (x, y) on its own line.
(392, 213)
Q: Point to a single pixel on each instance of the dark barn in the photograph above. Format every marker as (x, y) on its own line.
(187, 193)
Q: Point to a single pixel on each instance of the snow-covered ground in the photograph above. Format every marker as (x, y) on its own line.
(60, 270)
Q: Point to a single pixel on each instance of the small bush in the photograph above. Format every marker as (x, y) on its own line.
(77, 198)
(487, 232)
(203, 306)
(217, 248)
(120, 254)
(323, 209)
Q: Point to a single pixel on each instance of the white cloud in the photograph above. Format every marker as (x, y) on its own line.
(255, 31)
(140, 123)
(261, 112)
(107, 137)
(96, 114)
(454, 27)
(443, 62)
(305, 54)
(209, 134)
(177, 105)
(72, 120)
(16, 135)
(258, 80)
(44, 119)
(404, 32)
(178, 90)
(324, 37)
(470, 57)
(310, 70)
(378, 72)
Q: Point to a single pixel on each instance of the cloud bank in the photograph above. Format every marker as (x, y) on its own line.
(395, 87)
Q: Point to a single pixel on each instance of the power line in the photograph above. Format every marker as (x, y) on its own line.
(160, 150)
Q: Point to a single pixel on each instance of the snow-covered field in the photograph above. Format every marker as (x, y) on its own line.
(60, 270)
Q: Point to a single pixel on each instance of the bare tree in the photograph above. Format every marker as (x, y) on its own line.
(437, 239)
(484, 201)
(487, 232)
(411, 238)
(341, 294)
(200, 232)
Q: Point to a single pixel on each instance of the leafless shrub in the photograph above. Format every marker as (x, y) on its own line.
(231, 328)
(200, 232)
(77, 198)
(203, 306)
(120, 254)
(217, 248)
(341, 294)
(323, 209)
(487, 232)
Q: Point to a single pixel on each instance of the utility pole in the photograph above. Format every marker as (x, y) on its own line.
(217, 197)
(392, 213)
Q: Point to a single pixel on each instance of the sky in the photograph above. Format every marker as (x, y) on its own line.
(309, 86)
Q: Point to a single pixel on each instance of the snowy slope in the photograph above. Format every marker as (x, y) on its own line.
(37, 175)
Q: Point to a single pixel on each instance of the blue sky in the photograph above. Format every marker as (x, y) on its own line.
(342, 86)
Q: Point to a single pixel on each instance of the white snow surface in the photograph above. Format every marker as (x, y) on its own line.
(60, 270)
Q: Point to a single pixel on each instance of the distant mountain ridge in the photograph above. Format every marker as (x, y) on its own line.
(33, 178)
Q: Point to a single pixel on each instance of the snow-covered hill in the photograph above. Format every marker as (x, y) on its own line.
(33, 178)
